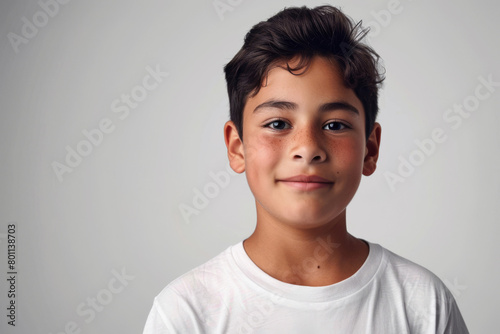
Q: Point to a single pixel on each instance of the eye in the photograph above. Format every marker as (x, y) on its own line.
(335, 126)
(278, 125)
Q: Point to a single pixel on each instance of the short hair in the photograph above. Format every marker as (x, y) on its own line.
(304, 33)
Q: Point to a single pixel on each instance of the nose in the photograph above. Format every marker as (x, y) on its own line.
(308, 147)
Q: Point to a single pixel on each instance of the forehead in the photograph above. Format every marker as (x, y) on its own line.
(319, 83)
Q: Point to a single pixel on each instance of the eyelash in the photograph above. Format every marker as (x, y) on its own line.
(344, 126)
(269, 125)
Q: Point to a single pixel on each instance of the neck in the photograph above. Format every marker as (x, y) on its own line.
(314, 256)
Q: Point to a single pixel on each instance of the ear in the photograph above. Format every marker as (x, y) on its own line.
(234, 146)
(371, 150)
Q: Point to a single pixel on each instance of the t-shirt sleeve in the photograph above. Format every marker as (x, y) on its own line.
(433, 309)
(455, 322)
(429, 305)
(173, 314)
(156, 323)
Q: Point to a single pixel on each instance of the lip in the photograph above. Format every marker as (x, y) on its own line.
(306, 182)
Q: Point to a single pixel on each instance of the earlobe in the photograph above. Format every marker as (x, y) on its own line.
(372, 150)
(234, 147)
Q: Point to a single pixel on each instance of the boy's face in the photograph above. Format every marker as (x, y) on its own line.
(304, 146)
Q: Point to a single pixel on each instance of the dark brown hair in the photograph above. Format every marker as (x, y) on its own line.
(304, 33)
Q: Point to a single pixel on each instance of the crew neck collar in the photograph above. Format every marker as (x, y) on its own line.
(262, 281)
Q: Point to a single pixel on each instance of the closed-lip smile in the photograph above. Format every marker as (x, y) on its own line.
(306, 182)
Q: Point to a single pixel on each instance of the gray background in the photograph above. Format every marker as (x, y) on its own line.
(118, 210)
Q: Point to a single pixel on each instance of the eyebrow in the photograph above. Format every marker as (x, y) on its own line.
(286, 105)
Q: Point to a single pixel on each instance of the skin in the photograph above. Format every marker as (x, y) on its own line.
(300, 235)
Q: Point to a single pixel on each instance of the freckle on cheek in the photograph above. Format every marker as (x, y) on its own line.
(275, 144)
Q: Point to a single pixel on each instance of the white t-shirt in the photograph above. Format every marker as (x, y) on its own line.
(230, 294)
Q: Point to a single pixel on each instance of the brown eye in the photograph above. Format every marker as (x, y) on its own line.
(335, 126)
(278, 125)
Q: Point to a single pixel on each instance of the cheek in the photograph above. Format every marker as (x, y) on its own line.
(261, 153)
(349, 155)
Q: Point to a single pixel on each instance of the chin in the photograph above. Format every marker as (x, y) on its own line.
(310, 219)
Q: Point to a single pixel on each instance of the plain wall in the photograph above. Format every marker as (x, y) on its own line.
(115, 212)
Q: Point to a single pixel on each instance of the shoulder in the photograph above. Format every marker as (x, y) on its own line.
(416, 281)
(427, 300)
(409, 280)
(188, 299)
(408, 272)
(204, 277)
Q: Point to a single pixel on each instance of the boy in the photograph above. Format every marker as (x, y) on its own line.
(303, 102)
